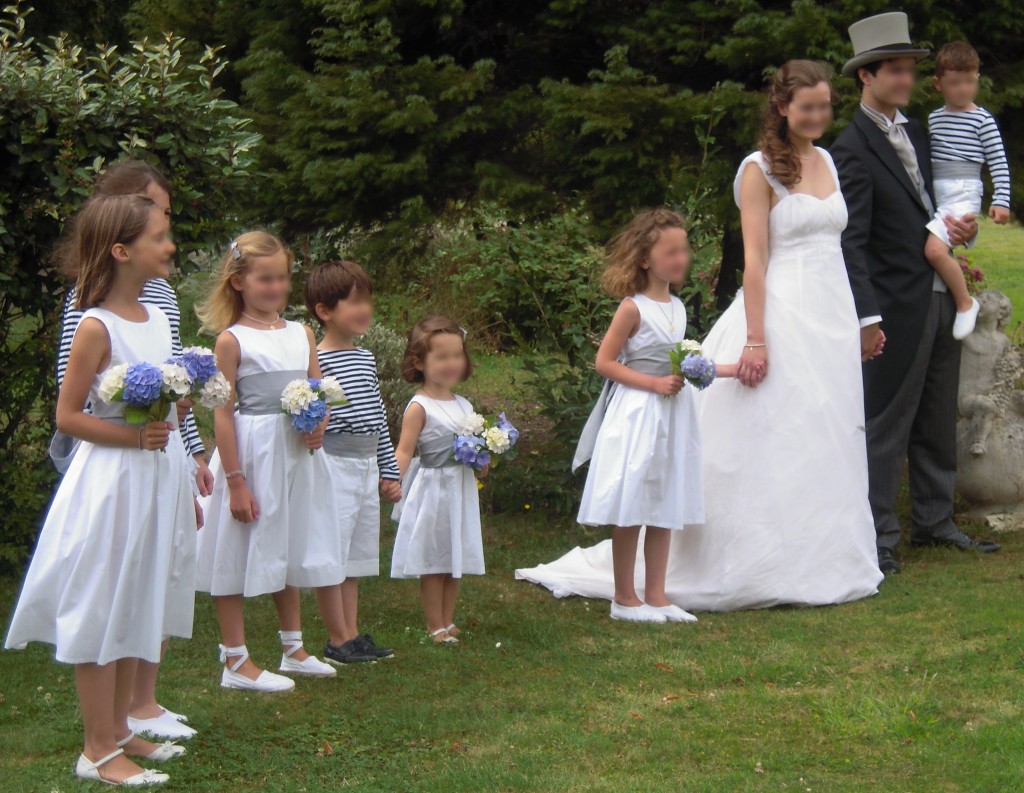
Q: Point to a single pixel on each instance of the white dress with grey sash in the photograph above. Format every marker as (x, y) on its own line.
(296, 539)
(646, 453)
(439, 515)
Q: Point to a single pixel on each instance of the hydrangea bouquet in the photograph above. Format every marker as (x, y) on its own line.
(209, 387)
(477, 438)
(148, 390)
(689, 360)
(306, 401)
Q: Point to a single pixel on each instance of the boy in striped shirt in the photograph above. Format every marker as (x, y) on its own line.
(964, 138)
(359, 450)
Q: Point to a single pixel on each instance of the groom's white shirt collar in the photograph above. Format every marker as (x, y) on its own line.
(881, 119)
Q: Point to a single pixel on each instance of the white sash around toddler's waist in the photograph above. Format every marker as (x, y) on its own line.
(259, 394)
(345, 444)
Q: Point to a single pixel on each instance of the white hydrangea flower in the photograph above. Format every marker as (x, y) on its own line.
(176, 380)
(296, 396)
(497, 440)
(689, 345)
(334, 394)
(473, 424)
(198, 351)
(215, 393)
(112, 381)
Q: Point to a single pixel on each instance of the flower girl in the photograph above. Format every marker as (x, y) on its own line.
(270, 522)
(643, 440)
(439, 538)
(114, 568)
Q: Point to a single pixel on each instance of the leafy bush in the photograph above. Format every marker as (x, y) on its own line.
(67, 112)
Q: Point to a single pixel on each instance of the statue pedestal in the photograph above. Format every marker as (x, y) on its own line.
(990, 430)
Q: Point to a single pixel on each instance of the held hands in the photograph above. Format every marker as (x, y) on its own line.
(243, 504)
(961, 230)
(669, 385)
(753, 366)
(1001, 215)
(391, 490)
(872, 342)
(204, 476)
(154, 435)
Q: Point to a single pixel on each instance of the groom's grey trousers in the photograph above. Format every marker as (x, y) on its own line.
(919, 426)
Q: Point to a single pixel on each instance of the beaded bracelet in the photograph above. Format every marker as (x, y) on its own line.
(233, 474)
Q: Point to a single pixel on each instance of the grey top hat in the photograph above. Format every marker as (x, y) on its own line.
(878, 38)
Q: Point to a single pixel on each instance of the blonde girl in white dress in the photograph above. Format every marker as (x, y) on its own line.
(439, 538)
(113, 572)
(271, 526)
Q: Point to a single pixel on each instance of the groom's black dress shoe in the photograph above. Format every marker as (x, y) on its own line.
(887, 562)
(960, 541)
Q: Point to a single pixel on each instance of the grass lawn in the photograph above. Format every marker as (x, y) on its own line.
(916, 689)
(1000, 255)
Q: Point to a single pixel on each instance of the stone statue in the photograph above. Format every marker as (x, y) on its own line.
(990, 432)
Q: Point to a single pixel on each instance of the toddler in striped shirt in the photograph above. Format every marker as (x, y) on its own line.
(964, 138)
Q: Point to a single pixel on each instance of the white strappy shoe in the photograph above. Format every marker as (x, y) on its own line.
(267, 681)
(447, 639)
(166, 725)
(310, 667)
(673, 613)
(168, 750)
(87, 769)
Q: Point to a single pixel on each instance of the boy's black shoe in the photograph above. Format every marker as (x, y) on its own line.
(366, 646)
(347, 653)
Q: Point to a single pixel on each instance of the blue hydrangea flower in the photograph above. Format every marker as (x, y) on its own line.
(308, 419)
(699, 371)
(469, 450)
(142, 384)
(200, 366)
(506, 425)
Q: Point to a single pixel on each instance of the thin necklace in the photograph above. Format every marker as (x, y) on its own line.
(262, 322)
(670, 317)
(440, 403)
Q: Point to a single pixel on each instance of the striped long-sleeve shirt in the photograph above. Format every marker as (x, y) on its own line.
(158, 293)
(364, 414)
(971, 136)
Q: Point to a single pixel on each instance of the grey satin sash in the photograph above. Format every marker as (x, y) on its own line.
(344, 444)
(437, 453)
(958, 169)
(259, 394)
(649, 361)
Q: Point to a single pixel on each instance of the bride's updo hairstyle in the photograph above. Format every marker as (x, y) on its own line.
(781, 157)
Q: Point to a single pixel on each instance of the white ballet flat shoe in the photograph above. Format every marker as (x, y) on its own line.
(176, 716)
(643, 613)
(673, 613)
(964, 323)
(88, 770)
(267, 682)
(310, 667)
(164, 752)
(165, 726)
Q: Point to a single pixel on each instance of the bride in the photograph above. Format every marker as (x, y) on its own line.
(785, 465)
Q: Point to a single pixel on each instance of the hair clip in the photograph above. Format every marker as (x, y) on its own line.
(464, 332)
(236, 254)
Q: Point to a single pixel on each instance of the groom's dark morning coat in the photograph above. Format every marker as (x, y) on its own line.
(884, 246)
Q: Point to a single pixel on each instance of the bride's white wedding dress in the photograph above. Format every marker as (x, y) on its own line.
(785, 466)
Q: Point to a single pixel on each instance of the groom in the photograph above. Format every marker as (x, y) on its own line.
(911, 391)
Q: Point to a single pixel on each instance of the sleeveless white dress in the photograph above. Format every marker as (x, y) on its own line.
(439, 514)
(113, 572)
(785, 464)
(646, 463)
(296, 540)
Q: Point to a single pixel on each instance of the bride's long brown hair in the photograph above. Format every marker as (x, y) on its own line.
(783, 162)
